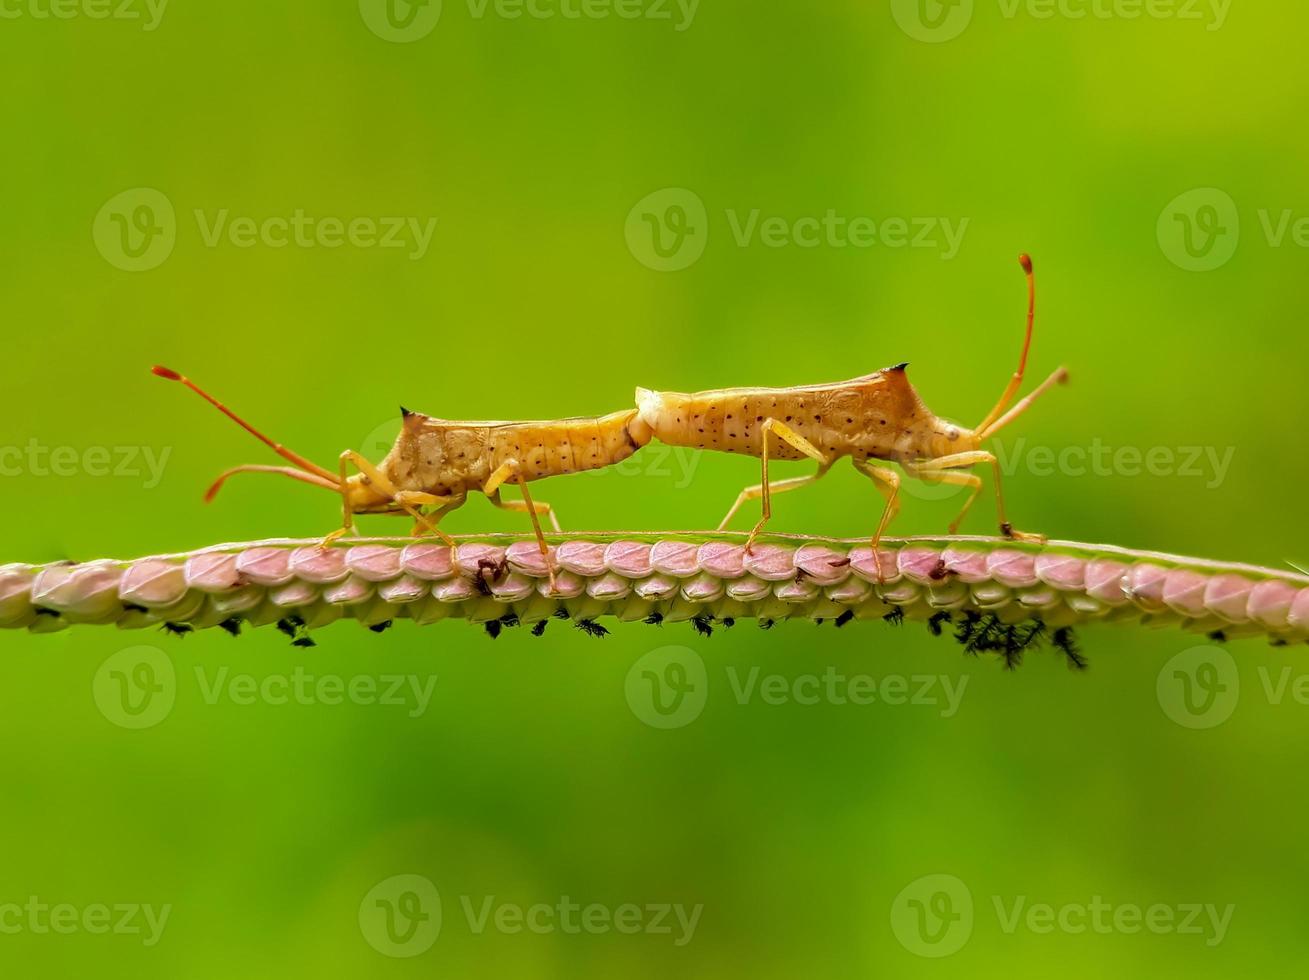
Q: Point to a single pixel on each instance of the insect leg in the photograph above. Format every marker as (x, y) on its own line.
(888, 484)
(404, 500)
(521, 507)
(953, 478)
(797, 442)
(511, 470)
(935, 468)
(781, 486)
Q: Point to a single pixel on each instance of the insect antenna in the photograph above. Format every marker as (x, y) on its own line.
(255, 468)
(1016, 381)
(294, 458)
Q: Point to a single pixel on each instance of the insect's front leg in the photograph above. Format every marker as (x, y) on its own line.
(510, 469)
(407, 500)
(939, 469)
(772, 426)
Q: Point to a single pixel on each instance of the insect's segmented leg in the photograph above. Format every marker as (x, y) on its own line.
(888, 484)
(510, 469)
(937, 467)
(781, 486)
(796, 441)
(405, 500)
(957, 479)
(520, 506)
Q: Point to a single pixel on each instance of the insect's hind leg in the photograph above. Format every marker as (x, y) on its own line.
(938, 468)
(781, 486)
(511, 469)
(772, 426)
(888, 485)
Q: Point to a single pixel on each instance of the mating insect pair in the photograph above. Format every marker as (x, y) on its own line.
(435, 463)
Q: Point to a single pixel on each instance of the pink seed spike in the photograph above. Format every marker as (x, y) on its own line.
(821, 564)
(1145, 585)
(628, 558)
(921, 565)
(1270, 603)
(153, 583)
(1016, 569)
(770, 562)
(722, 559)
(213, 572)
(1064, 572)
(427, 560)
(373, 562)
(1106, 580)
(965, 564)
(1298, 617)
(1229, 597)
(585, 558)
(526, 557)
(676, 558)
(265, 566)
(471, 559)
(1184, 592)
(567, 586)
(703, 588)
(318, 565)
(863, 565)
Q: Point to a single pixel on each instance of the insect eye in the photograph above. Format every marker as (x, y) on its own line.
(952, 434)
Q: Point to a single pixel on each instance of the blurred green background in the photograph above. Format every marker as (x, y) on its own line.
(529, 777)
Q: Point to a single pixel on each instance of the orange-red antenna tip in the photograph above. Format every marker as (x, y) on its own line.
(164, 372)
(1025, 261)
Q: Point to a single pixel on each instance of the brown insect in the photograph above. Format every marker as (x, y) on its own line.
(878, 417)
(435, 463)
